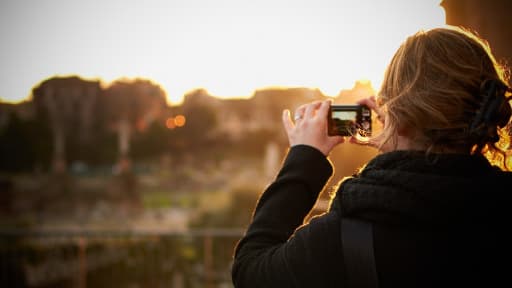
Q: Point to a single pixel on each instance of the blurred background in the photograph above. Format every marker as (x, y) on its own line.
(137, 136)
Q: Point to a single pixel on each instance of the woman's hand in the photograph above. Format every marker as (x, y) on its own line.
(372, 104)
(310, 127)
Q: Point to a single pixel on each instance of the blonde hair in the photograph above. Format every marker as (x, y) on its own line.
(436, 86)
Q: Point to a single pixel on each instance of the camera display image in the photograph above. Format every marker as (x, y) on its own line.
(349, 120)
(345, 121)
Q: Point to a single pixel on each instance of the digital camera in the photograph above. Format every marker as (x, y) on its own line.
(349, 120)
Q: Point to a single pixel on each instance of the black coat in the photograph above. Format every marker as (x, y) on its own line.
(439, 221)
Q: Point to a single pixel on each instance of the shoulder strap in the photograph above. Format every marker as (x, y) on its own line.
(359, 259)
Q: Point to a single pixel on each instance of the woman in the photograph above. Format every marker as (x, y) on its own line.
(433, 198)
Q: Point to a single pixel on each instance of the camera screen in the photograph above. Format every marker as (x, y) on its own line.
(349, 120)
(344, 115)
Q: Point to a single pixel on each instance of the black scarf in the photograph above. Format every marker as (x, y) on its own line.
(415, 186)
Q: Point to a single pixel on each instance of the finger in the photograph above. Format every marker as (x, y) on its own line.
(311, 109)
(324, 108)
(287, 121)
(300, 111)
(370, 102)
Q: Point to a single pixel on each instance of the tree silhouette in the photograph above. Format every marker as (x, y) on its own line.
(131, 106)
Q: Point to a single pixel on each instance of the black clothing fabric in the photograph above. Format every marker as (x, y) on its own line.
(439, 220)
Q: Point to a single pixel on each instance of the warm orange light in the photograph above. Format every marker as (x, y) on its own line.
(508, 162)
(141, 125)
(169, 123)
(180, 121)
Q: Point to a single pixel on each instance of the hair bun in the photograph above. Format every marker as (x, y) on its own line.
(494, 112)
(494, 109)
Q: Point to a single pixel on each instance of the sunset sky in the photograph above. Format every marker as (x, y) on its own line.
(229, 47)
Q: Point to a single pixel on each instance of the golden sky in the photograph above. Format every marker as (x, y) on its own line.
(229, 47)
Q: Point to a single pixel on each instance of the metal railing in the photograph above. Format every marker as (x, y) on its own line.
(98, 258)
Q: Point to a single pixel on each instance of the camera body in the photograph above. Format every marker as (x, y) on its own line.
(349, 120)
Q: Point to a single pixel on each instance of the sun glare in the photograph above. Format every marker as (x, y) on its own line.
(329, 51)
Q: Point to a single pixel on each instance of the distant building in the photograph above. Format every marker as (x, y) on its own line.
(261, 112)
(81, 112)
(264, 109)
(70, 104)
(361, 89)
